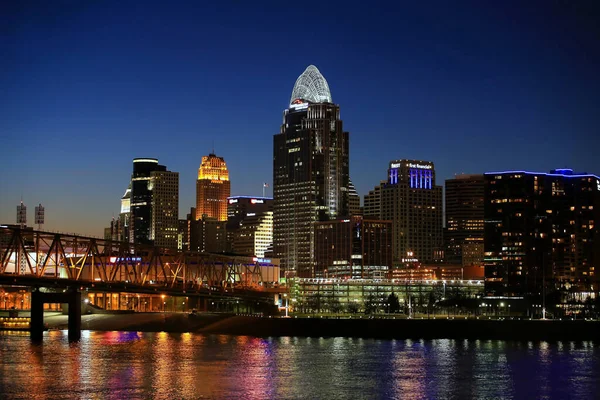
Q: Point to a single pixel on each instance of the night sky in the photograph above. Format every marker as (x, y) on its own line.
(86, 86)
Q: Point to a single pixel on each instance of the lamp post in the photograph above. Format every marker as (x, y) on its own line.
(286, 304)
(164, 302)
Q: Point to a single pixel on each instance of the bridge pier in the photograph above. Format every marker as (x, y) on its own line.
(71, 297)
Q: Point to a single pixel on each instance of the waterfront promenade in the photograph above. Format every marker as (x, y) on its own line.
(359, 326)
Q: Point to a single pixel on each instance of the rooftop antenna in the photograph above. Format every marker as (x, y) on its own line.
(213, 147)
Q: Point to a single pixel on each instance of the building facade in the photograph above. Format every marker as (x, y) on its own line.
(463, 237)
(154, 204)
(249, 225)
(412, 201)
(254, 235)
(353, 248)
(372, 203)
(541, 230)
(165, 208)
(310, 172)
(206, 234)
(353, 201)
(212, 188)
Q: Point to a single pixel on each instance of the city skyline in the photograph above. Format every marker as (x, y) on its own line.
(514, 98)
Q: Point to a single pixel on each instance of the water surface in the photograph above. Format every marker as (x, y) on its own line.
(130, 365)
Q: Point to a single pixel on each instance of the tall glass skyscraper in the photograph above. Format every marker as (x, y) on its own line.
(310, 172)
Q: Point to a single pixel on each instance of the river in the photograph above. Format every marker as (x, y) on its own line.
(135, 365)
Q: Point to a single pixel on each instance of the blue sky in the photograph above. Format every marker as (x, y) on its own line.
(85, 87)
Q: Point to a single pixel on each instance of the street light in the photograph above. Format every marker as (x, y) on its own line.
(286, 304)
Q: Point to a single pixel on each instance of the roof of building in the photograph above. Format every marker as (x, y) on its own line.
(311, 86)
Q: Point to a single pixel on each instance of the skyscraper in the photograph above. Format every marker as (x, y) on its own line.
(413, 202)
(154, 204)
(464, 220)
(310, 172)
(353, 200)
(541, 227)
(165, 208)
(212, 188)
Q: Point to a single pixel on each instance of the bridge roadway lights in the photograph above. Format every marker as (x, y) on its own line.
(72, 297)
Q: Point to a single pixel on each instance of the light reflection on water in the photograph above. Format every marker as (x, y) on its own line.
(116, 365)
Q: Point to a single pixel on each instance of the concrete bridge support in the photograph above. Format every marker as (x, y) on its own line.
(72, 297)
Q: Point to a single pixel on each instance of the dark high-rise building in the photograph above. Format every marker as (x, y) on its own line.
(464, 220)
(141, 199)
(212, 188)
(249, 225)
(154, 204)
(372, 205)
(238, 208)
(165, 208)
(353, 200)
(353, 248)
(413, 202)
(541, 228)
(310, 172)
(255, 235)
(206, 234)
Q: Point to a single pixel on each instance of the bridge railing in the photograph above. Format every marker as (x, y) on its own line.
(31, 253)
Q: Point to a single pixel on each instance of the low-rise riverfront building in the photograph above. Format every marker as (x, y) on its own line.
(355, 295)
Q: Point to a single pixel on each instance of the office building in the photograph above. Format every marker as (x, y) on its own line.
(310, 172)
(413, 202)
(249, 225)
(206, 234)
(240, 207)
(372, 204)
(212, 188)
(541, 229)
(154, 204)
(353, 201)
(165, 208)
(254, 235)
(463, 236)
(353, 248)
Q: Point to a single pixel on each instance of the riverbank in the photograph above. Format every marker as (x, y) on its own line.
(411, 328)
(209, 323)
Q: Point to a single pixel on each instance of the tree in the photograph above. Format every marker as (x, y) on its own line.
(370, 304)
(313, 303)
(334, 305)
(393, 303)
(353, 307)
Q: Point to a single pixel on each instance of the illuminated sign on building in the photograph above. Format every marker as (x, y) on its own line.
(395, 165)
(420, 166)
(256, 201)
(598, 184)
(262, 260)
(119, 259)
(232, 201)
(299, 105)
(420, 178)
